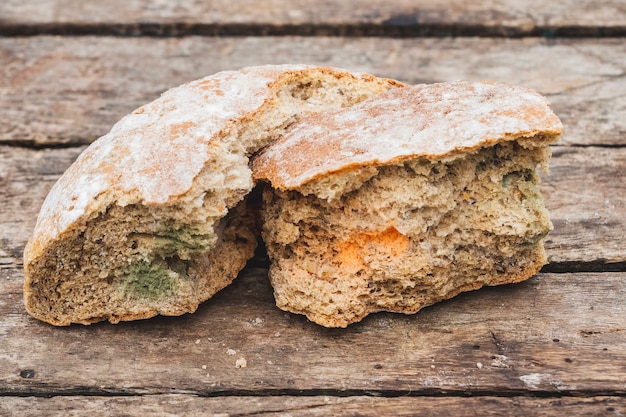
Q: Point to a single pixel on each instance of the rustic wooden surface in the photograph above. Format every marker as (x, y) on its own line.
(70, 90)
(346, 17)
(553, 345)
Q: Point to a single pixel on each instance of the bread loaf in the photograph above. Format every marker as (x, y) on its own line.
(152, 218)
(405, 199)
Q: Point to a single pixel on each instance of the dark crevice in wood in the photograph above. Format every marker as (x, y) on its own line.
(593, 145)
(497, 342)
(36, 145)
(394, 27)
(583, 267)
(435, 393)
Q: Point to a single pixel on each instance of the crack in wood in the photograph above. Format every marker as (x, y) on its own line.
(396, 26)
(338, 393)
(51, 143)
(566, 267)
(496, 341)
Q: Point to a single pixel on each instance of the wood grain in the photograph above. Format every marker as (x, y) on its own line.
(180, 404)
(60, 91)
(585, 192)
(379, 17)
(587, 209)
(554, 335)
(26, 176)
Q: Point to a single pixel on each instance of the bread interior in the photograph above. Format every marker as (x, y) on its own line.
(400, 237)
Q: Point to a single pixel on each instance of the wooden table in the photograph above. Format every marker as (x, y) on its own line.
(553, 345)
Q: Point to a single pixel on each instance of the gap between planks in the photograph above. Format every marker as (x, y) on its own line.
(389, 18)
(433, 393)
(393, 28)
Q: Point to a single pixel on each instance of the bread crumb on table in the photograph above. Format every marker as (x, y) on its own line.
(241, 363)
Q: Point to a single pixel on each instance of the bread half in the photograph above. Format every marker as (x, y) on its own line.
(152, 218)
(406, 199)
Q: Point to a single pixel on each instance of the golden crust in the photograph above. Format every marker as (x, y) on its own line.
(430, 121)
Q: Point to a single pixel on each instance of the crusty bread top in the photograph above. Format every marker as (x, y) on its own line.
(153, 155)
(430, 121)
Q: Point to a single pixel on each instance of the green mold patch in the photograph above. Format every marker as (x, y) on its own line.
(182, 242)
(170, 243)
(148, 281)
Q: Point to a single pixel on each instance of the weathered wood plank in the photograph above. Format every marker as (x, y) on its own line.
(26, 176)
(60, 90)
(554, 335)
(189, 405)
(397, 17)
(585, 193)
(587, 209)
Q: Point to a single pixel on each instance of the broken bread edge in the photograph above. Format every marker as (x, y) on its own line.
(347, 151)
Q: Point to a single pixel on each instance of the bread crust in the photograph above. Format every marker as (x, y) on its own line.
(431, 121)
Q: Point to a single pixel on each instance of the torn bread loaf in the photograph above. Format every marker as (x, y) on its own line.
(152, 218)
(406, 199)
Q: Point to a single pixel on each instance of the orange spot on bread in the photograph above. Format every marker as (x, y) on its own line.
(180, 129)
(350, 257)
(210, 84)
(352, 253)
